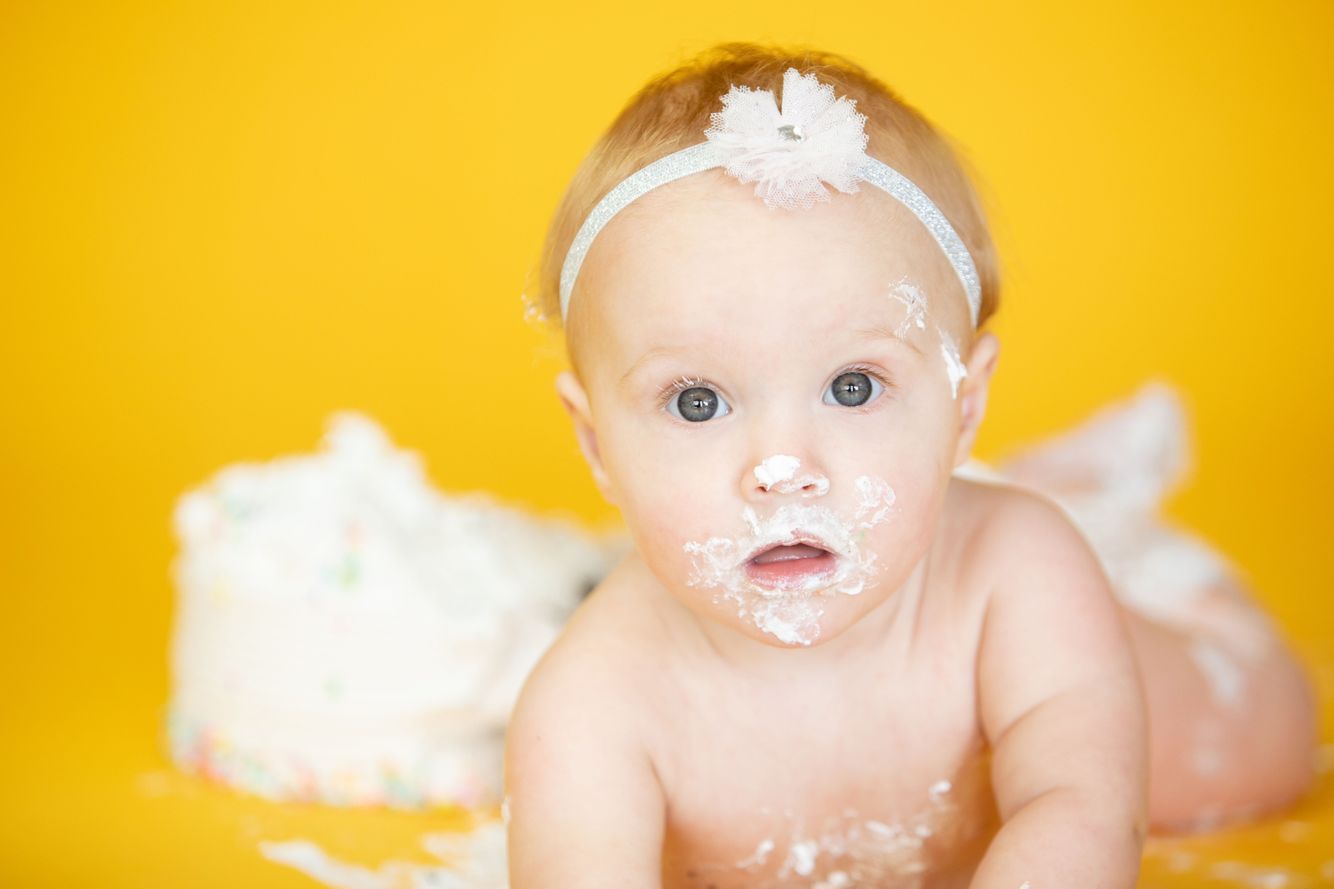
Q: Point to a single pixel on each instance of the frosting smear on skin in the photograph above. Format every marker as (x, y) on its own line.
(778, 473)
(915, 306)
(851, 849)
(780, 571)
(954, 366)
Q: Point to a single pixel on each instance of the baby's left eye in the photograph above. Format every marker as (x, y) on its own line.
(852, 389)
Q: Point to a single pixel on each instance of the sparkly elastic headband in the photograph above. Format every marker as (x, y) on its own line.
(815, 138)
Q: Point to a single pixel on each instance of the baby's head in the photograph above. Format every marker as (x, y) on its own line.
(775, 397)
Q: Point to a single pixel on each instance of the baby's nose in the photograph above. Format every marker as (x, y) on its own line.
(784, 474)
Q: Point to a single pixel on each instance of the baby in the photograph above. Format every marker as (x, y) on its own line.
(841, 653)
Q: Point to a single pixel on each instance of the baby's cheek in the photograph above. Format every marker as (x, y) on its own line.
(665, 525)
(909, 525)
(673, 513)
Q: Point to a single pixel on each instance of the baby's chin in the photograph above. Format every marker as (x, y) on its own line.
(795, 619)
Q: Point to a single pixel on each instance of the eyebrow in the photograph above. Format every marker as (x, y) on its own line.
(887, 332)
(655, 352)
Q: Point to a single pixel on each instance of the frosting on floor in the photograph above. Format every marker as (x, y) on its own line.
(474, 860)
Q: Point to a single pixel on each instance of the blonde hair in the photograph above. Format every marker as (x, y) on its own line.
(671, 111)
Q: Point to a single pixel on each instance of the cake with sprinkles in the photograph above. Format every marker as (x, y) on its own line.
(345, 633)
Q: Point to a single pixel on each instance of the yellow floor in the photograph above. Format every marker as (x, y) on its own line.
(104, 808)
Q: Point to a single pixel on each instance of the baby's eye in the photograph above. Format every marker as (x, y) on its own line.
(852, 389)
(697, 404)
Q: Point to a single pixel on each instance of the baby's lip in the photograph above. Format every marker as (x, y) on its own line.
(792, 566)
(797, 537)
(787, 552)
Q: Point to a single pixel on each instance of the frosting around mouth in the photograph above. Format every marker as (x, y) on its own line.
(788, 604)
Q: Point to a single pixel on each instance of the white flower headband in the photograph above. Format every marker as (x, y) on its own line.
(815, 138)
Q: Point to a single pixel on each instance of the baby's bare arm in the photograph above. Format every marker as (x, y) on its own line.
(585, 806)
(1063, 710)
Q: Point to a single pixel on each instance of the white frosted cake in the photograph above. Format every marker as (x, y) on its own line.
(345, 633)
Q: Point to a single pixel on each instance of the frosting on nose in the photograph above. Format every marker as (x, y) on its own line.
(776, 468)
(778, 473)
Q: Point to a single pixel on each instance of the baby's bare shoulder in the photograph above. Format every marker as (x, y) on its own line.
(1042, 585)
(598, 655)
(1003, 527)
(584, 796)
(603, 673)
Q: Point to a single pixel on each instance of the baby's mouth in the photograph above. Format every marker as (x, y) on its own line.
(789, 565)
(789, 551)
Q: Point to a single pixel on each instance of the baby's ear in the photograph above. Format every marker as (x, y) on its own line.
(973, 394)
(575, 401)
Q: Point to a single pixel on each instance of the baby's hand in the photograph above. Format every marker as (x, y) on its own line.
(1061, 705)
(585, 806)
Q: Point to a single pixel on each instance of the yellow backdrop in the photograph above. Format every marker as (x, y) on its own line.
(222, 221)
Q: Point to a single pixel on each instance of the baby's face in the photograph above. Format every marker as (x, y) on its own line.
(775, 398)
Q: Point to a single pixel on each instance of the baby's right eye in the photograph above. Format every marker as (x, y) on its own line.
(697, 404)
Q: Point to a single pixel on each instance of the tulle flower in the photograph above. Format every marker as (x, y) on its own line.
(790, 153)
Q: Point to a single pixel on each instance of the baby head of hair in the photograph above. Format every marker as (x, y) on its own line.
(671, 112)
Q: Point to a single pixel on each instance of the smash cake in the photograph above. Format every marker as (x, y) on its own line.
(344, 633)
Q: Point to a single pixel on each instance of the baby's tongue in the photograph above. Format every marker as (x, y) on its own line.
(789, 551)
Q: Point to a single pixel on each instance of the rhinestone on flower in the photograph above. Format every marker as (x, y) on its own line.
(790, 153)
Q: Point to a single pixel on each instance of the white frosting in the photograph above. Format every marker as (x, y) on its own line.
(954, 366)
(776, 468)
(759, 856)
(791, 614)
(347, 634)
(473, 860)
(1226, 678)
(914, 305)
(778, 473)
(847, 850)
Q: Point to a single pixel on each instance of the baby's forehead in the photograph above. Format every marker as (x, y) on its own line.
(706, 251)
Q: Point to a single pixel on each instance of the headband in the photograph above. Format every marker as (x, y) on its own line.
(814, 139)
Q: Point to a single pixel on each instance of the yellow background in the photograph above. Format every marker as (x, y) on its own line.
(220, 222)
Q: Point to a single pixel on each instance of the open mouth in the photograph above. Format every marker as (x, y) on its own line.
(789, 564)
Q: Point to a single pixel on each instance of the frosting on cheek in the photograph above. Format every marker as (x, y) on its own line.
(875, 499)
(791, 611)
